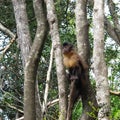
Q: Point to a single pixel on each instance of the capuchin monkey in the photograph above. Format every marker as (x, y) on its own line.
(72, 61)
(76, 75)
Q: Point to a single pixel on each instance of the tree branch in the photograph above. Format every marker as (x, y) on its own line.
(47, 82)
(21, 118)
(7, 31)
(115, 93)
(3, 51)
(12, 36)
(15, 98)
(13, 107)
(114, 15)
(112, 31)
(51, 103)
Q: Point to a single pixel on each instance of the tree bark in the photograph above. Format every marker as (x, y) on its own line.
(31, 57)
(82, 28)
(53, 23)
(24, 40)
(114, 14)
(100, 68)
(113, 32)
(33, 60)
(115, 18)
(88, 96)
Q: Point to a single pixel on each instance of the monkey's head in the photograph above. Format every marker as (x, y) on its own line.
(67, 48)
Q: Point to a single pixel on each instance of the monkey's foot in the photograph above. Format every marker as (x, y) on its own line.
(73, 77)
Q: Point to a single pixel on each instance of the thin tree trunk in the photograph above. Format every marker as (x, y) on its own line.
(100, 68)
(44, 106)
(53, 23)
(82, 28)
(38, 102)
(88, 96)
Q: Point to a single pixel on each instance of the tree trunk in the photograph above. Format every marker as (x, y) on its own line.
(53, 23)
(100, 68)
(31, 57)
(24, 40)
(88, 96)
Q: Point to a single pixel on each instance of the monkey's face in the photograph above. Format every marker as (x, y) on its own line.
(67, 48)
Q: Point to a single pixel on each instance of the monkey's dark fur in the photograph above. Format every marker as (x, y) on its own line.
(76, 75)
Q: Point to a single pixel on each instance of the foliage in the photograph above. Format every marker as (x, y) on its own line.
(8, 17)
(115, 107)
(66, 19)
(77, 110)
(11, 71)
(12, 81)
(112, 59)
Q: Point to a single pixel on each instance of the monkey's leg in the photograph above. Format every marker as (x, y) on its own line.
(73, 73)
(74, 94)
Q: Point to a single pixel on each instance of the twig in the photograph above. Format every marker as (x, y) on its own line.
(7, 47)
(47, 81)
(13, 107)
(15, 98)
(3, 51)
(114, 15)
(37, 93)
(6, 30)
(51, 103)
(115, 93)
(21, 118)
